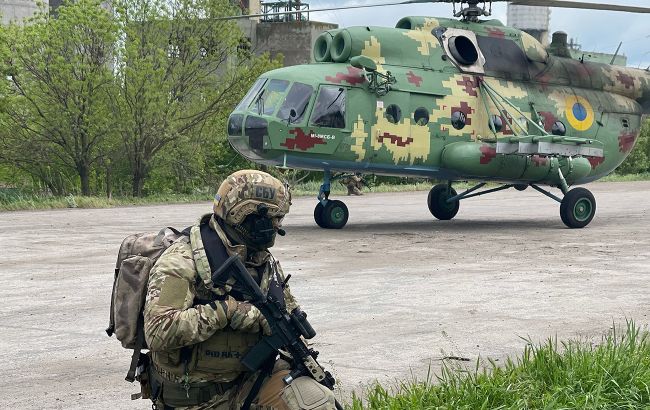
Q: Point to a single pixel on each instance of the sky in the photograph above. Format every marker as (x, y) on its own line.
(595, 30)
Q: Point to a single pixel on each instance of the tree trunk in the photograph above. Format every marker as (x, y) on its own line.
(139, 175)
(109, 180)
(84, 174)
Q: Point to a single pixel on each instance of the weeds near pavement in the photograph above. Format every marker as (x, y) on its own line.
(613, 374)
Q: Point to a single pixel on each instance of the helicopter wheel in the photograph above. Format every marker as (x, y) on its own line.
(318, 215)
(438, 204)
(578, 208)
(334, 215)
(521, 187)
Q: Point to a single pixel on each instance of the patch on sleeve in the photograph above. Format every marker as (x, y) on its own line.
(173, 293)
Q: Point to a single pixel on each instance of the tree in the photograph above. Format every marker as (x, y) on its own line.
(639, 159)
(179, 68)
(56, 100)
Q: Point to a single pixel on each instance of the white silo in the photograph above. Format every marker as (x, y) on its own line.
(531, 19)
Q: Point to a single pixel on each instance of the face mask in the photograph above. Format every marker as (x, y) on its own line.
(257, 230)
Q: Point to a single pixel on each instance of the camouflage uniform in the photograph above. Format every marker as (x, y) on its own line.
(201, 344)
(354, 184)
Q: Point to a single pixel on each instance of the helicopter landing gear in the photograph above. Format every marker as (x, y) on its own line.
(334, 215)
(330, 214)
(439, 202)
(577, 208)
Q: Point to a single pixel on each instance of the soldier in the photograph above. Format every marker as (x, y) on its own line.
(354, 184)
(196, 347)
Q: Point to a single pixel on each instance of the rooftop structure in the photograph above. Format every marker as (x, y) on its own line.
(533, 20)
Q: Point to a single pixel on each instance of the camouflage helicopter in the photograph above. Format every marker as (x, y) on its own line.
(449, 99)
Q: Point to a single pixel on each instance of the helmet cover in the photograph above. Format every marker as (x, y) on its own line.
(242, 192)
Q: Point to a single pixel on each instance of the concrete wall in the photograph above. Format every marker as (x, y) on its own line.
(294, 40)
(17, 10)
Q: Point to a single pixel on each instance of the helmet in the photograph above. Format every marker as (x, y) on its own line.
(244, 191)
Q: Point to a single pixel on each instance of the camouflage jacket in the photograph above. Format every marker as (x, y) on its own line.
(172, 321)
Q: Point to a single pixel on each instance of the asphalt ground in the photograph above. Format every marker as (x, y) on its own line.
(391, 295)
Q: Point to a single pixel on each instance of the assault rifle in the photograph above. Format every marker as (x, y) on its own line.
(287, 329)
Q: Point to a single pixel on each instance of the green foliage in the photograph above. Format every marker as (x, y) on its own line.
(579, 374)
(54, 115)
(639, 160)
(179, 75)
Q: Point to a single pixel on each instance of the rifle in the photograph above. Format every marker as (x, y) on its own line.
(287, 329)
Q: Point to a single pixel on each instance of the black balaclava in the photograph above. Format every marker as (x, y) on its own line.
(256, 231)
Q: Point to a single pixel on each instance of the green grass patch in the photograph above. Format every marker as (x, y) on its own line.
(627, 178)
(611, 374)
(15, 200)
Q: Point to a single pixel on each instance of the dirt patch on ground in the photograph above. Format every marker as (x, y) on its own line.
(390, 295)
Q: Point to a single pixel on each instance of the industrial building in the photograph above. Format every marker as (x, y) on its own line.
(536, 21)
(291, 33)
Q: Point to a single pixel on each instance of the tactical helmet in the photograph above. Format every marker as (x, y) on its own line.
(243, 191)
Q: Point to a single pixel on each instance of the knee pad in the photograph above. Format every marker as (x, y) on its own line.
(305, 393)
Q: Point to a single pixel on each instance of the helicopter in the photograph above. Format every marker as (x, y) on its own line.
(462, 99)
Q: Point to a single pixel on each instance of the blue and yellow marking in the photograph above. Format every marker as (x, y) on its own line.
(579, 113)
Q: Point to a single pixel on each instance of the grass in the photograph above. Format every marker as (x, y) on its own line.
(612, 374)
(14, 200)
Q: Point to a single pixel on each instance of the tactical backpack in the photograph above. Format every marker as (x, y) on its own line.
(137, 255)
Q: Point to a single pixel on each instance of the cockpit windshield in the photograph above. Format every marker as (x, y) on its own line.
(297, 99)
(269, 97)
(255, 89)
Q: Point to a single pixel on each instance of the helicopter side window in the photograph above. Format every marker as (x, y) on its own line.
(297, 100)
(421, 116)
(268, 99)
(559, 129)
(329, 110)
(458, 120)
(496, 123)
(393, 113)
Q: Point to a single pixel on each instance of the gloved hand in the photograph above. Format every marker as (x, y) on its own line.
(246, 317)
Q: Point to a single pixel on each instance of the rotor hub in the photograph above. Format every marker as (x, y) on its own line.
(473, 10)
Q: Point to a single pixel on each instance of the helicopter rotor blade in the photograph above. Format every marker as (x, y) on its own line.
(360, 6)
(543, 3)
(580, 5)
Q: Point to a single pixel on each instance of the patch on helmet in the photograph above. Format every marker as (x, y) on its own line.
(217, 199)
(264, 192)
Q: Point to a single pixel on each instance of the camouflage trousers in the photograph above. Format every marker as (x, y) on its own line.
(353, 189)
(304, 393)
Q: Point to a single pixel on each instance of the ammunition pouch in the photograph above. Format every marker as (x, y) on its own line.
(182, 395)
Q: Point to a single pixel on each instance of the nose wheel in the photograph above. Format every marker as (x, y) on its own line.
(334, 215)
(329, 214)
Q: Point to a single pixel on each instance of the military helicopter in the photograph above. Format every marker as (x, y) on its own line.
(449, 99)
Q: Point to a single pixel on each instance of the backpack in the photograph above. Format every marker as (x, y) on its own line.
(137, 255)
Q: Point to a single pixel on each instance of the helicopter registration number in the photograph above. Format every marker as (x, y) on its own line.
(323, 136)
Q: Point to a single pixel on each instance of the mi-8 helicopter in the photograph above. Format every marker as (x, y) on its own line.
(452, 100)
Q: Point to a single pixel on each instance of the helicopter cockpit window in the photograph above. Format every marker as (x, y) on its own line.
(268, 99)
(329, 110)
(297, 100)
(255, 89)
(393, 113)
(458, 120)
(421, 116)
